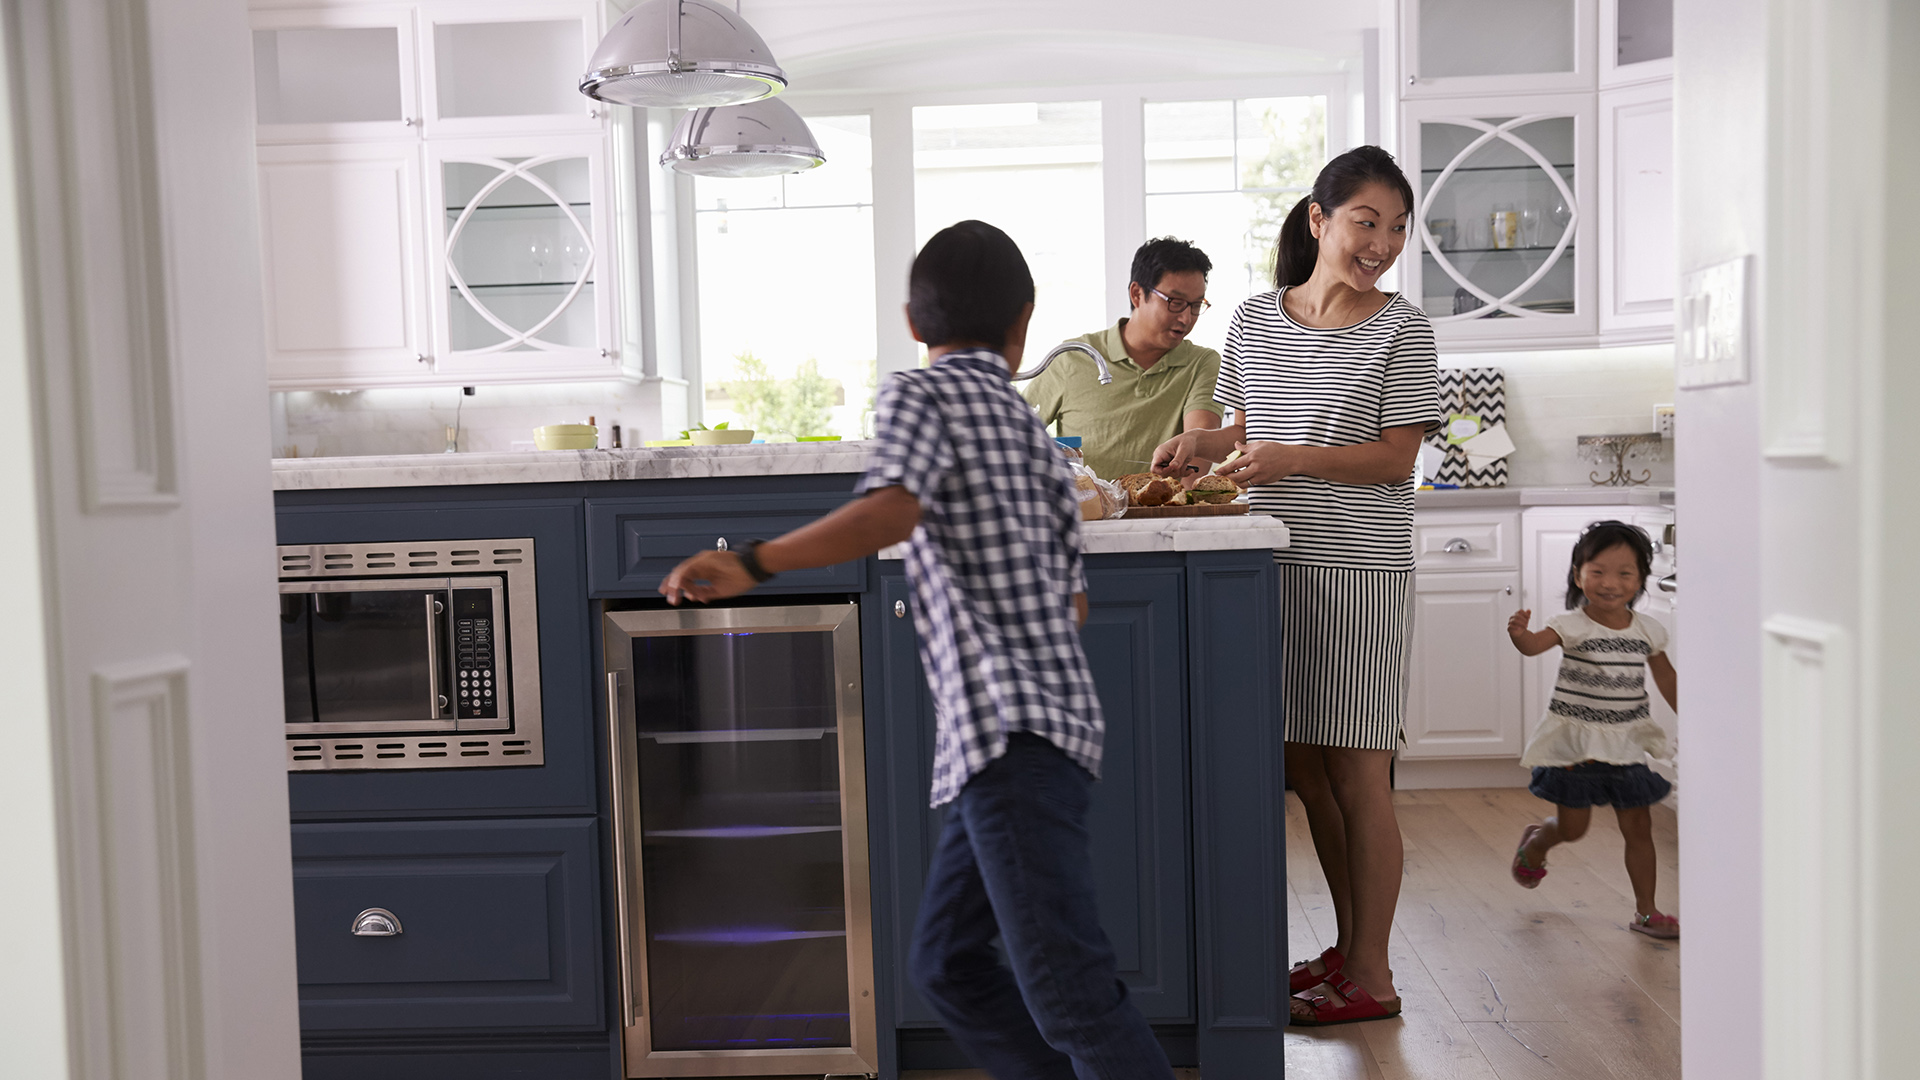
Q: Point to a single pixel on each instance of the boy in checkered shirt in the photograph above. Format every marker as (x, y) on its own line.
(964, 475)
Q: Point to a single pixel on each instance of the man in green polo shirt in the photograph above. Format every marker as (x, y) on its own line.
(1162, 383)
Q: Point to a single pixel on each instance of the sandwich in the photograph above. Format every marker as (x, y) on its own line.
(1146, 489)
(1213, 489)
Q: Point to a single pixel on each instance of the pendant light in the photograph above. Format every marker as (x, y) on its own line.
(682, 54)
(763, 138)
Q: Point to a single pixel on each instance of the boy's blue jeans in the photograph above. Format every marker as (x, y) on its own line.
(1014, 862)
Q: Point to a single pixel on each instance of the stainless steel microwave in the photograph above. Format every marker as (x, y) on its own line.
(410, 656)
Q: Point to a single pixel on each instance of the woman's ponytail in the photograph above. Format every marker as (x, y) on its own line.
(1298, 251)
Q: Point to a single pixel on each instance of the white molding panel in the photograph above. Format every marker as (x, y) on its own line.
(1813, 893)
(138, 948)
(116, 259)
(1827, 113)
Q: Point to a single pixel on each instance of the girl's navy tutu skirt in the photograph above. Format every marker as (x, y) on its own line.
(1599, 783)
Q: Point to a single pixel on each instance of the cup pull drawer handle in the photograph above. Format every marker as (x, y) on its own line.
(376, 922)
(1457, 546)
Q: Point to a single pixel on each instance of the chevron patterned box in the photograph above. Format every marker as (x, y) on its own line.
(1479, 392)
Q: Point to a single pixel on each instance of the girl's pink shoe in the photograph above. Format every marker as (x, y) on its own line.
(1528, 876)
(1656, 925)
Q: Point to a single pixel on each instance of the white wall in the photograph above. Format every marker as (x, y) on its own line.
(1720, 164)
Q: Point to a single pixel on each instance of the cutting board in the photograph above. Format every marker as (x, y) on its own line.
(1201, 510)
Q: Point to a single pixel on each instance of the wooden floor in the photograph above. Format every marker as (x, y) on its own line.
(1498, 981)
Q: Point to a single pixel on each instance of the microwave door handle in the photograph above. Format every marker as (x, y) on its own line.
(436, 699)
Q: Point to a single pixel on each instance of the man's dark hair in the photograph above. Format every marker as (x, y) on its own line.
(968, 284)
(1165, 255)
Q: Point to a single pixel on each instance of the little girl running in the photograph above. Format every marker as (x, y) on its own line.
(1590, 748)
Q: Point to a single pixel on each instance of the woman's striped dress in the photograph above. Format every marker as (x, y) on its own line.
(1347, 579)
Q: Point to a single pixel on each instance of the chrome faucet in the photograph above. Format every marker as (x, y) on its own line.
(1099, 361)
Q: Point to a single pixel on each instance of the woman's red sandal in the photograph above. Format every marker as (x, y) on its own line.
(1656, 925)
(1302, 978)
(1359, 1005)
(1528, 876)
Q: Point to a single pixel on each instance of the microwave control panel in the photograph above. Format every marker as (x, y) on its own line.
(479, 691)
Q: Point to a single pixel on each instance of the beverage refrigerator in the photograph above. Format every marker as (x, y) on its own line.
(740, 841)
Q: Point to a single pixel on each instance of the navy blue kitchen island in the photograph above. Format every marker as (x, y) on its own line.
(510, 965)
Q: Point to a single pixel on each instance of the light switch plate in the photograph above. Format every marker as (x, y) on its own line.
(1712, 349)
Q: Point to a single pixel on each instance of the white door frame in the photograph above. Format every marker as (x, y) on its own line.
(148, 882)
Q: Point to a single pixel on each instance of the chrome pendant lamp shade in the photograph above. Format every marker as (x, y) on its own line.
(682, 54)
(764, 138)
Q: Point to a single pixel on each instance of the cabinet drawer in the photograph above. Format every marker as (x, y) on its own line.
(498, 925)
(633, 543)
(1465, 540)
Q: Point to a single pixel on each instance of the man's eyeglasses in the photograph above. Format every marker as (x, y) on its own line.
(1179, 306)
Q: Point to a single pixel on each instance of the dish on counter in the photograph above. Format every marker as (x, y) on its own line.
(1148, 490)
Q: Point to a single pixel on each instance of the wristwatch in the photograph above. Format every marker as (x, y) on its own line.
(750, 559)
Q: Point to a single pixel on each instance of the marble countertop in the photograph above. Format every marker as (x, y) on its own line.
(1488, 498)
(568, 466)
(1171, 534)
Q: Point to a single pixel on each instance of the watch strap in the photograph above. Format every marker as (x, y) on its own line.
(750, 559)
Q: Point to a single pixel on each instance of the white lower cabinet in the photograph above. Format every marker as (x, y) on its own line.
(1472, 699)
(1464, 680)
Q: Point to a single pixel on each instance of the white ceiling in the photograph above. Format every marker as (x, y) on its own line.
(836, 45)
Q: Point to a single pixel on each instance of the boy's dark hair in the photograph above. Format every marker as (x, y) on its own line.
(1165, 255)
(1600, 536)
(968, 284)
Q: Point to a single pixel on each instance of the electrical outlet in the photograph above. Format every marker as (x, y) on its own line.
(1663, 420)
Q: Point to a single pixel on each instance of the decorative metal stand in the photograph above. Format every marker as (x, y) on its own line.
(1615, 450)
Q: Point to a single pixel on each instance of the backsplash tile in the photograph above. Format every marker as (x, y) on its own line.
(1555, 397)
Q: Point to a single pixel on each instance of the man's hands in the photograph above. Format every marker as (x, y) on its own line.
(710, 575)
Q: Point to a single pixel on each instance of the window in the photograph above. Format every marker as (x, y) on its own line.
(1033, 170)
(786, 291)
(1224, 174)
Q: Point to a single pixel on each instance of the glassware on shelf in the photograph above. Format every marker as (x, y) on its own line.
(1444, 233)
(1504, 225)
(1530, 227)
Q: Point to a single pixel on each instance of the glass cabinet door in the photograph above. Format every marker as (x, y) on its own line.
(1456, 46)
(1501, 220)
(1636, 40)
(335, 74)
(507, 66)
(522, 259)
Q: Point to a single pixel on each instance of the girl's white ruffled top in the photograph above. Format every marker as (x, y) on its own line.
(1600, 709)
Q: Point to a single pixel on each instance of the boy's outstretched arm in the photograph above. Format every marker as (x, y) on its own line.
(1530, 643)
(876, 520)
(1665, 679)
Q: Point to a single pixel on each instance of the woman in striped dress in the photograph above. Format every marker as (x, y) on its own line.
(1334, 384)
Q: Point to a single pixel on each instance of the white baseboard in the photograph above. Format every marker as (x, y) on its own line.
(1418, 775)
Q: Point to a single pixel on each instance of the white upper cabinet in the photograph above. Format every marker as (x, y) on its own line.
(341, 250)
(1504, 236)
(489, 68)
(520, 255)
(1452, 47)
(335, 74)
(435, 195)
(1636, 41)
(1637, 260)
(1538, 134)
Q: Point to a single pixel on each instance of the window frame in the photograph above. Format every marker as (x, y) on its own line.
(1123, 172)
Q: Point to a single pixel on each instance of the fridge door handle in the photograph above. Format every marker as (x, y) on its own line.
(616, 779)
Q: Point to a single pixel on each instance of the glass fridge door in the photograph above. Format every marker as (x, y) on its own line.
(740, 747)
